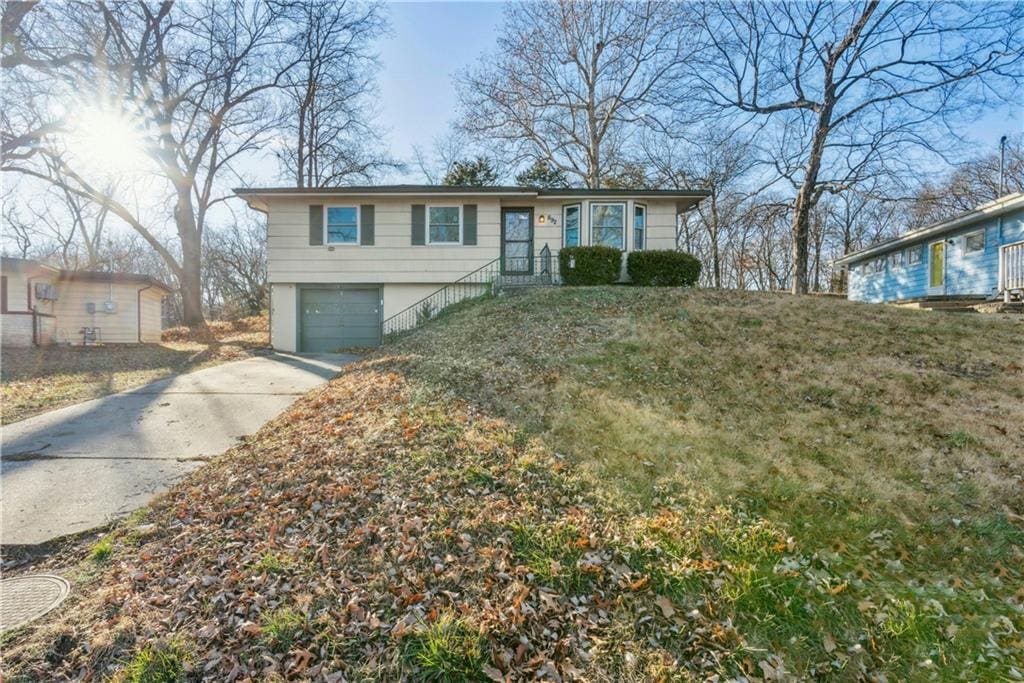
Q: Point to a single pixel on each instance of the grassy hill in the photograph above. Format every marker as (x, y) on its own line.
(608, 483)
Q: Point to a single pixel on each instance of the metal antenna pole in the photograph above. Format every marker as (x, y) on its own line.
(1002, 166)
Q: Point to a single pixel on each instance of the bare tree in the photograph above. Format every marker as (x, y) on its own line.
(194, 76)
(716, 161)
(570, 82)
(236, 261)
(971, 183)
(437, 161)
(329, 95)
(852, 90)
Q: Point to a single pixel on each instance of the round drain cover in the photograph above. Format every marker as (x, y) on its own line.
(24, 598)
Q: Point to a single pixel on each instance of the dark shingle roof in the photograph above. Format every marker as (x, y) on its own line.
(465, 189)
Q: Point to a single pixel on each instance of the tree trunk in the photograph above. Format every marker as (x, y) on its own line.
(805, 200)
(716, 263)
(190, 278)
(191, 283)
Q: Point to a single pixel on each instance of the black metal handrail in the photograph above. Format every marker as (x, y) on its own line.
(471, 285)
(536, 271)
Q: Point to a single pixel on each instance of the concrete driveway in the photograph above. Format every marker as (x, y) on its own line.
(79, 467)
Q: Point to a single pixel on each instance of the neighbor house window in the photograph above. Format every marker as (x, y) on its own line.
(975, 241)
(913, 256)
(895, 260)
(639, 227)
(571, 226)
(608, 225)
(444, 225)
(342, 224)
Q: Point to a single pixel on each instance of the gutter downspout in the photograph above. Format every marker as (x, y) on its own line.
(138, 312)
(32, 309)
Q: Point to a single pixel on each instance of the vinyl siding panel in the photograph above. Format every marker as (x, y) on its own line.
(967, 274)
(120, 327)
(15, 330)
(406, 272)
(152, 320)
(392, 258)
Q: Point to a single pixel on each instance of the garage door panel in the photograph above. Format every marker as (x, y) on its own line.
(333, 318)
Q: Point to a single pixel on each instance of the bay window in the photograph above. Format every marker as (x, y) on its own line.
(639, 227)
(608, 225)
(571, 226)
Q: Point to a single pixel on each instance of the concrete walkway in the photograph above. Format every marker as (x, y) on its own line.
(78, 467)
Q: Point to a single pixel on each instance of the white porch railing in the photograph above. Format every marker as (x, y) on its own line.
(1011, 269)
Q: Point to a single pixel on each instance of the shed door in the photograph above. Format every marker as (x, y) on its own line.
(936, 265)
(337, 317)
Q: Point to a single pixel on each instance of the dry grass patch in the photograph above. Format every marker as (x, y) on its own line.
(378, 532)
(687, 485)
(894, 435)
(40, 379)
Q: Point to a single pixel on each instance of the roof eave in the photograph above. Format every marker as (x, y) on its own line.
(986, 211)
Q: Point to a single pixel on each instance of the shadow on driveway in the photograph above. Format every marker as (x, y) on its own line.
(79, 467)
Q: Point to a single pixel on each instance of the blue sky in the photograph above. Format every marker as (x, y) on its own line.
(429, 43)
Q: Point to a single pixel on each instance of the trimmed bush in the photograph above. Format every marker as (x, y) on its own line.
(581, 266)
(663, 268)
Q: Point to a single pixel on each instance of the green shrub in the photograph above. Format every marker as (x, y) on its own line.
(581, 266)
(663, 268)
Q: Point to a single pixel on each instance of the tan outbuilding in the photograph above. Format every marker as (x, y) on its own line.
(41, 305)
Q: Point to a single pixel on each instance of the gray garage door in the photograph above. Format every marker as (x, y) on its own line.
(333, 318)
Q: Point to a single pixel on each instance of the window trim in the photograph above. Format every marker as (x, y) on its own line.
(899, 259)
(971, 234)
(359, 226)
(579, 223)
(913, 250)
(426, 224)
(643, 229)
(590, 216)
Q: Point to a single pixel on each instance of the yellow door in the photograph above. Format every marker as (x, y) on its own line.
(937, 266)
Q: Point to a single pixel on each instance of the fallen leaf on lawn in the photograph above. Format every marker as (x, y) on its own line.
(666, 606)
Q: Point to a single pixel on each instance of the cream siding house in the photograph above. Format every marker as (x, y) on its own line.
(341, 262)
(44, 305)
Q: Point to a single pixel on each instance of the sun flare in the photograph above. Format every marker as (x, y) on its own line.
(109, 141)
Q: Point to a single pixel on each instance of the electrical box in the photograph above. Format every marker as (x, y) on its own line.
(102, 307)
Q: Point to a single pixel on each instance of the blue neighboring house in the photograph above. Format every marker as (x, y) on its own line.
(977, 255)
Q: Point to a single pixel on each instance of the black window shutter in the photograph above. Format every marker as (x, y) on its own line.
(366, 212)
(469, 224)
(419, 221)
(316, 224)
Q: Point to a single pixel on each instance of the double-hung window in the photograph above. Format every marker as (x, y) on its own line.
(913, 256)
(571, 225)
(974, 241)
(342, 223)
(895, 260)
(444, 225)
(608, 225)
(639, 227)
